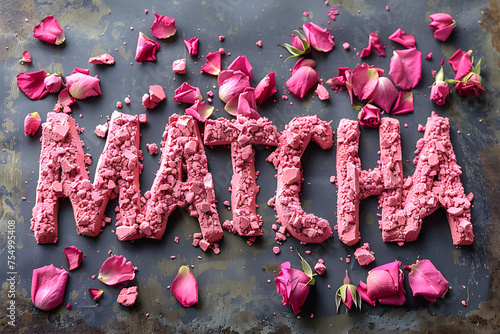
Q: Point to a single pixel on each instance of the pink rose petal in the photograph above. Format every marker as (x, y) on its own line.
(26, 57)
(47, 287)
(146, 49)
(32, 84)
(49, 31)
(406, 68)
(404, 103)
(53, 83)
(464, 66)
(364, 81)
(115, 270)
(81, 86)
(369, 116)
(319, 38)
(456, 58)
(95, 293)
(179, 66)
(163, 26)
(32, 123)
(385, 94)
(242, 64)
(213, 64)
(399, 297)
(81, 70)
(384, 283)
(105, 58)
(425, 280)
(303, 79)
(363, 291)
(442, 24)
(322, 92)
(374, 43)
(265, 88)
(185, 288)
(247, 105)
(187, 94)
(406, 40)
(200, 110)
(303, 62)
(192, 45)
(232, 83)
(74, 256)
(64, 100)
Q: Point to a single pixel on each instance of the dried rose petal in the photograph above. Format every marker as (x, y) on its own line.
(404, 103)
(26, 57)
(406, 40)
(192, 45)
(374, 43)
(461, 63)
(213, 63)
(179, 66)
(49, 31)
(319, 38)
(425, 280)
(163, 26)
(74, 256)
(95, 293)
(406, 68)
(187, 94)
(443, 25)
(265, 88)
(115, 270)
(53, 83)
(185, 288)
(385, 94)
(32, 123)
(81, 85)
(105, 58)
(200, 110)
(242, 64)
(32, 84)
(369, 116)
(364, 81)
(47, 287)
(64, 100)
(146, 49)
(232, 83)
(322, 92)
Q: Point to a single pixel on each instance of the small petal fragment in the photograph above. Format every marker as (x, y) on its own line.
(364, 81)
(404, 103)
(192, 45)
(319, 38)
(406, 68)
(49, 31)
(374, 43)
(322, 92)
(242, 64)
(47, 287)
(265, 88)
(26, 57)
(232, 83)
(31, 124)
(81, 86)
(369, 116)
(146, 49)
(200, 110)
(115, 270)
(187, 94)
(163, 26)
(303, 79)
(406, 40)
(95, 293)
(385, 94)
(185, 287)
(213, 63)
(425, 280)
(105, 58)
(443, 25)
(33, 84)
(74, 256)
(64, 100)
(179, 66)
(247, 105)
(53, 83)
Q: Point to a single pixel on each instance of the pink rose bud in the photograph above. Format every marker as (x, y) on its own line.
(369, 116)
(439, 92)
(471, 87)
(292, 285)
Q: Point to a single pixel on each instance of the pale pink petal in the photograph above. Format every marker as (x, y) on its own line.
(231, 106)
(369, 116)
(302, 80)
(32, 84)
(406, 68)
(179, 66)
(127, 296)
(362, 290)
(404, 103)
(374, 43)
(247, 105)
(53, 83)
(303, 62)
(26, 57)
(213, 64)
(242, 64)
(322, 92)
(185, 288)
(81, 86)
(95, 293)
(187, 94)
(297, 43)
(105, 58)
(192, 45)
(163, 26)
(32, 123)
(456, 58)
(200, 110)
(385, 94)
(319, 38)
(406, 40)
(265, 88)
(146, 49)
(364, 81)
(49, 31)
(116, 269)
(74, 256)
(64, 100)
(47, 287)
(425, 280)
(232, 83)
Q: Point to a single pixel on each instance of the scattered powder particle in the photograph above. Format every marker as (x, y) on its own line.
(152, 148)
(93, 276)
(222, 51)
(173, 257)
(386, 7)
(69, 305)
(200, 257)
(347, 260)
(320, 267)
(308, 252)
(259, 43)
(480, 120)
(221, 38)
(464, 303)
(345, 46)
(329, 287)
(176, 240)
(274, 227)
(421, 127)
(268, 281)
(305, 13)
(226, 203)
(146, 11)
(429, 56)
(210, 93)
(332, 179)
(127, 100)
(131, 28)
(23, 198)
(441, 62)
(405, 125)
(147, 314)
(276, 250)
(119, 104)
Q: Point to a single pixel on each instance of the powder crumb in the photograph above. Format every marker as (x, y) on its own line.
(320, 267)
(221, 38)
(276, 250)
(127, 100)
(222, 51)
(332, 179)
(93, 276)
(152, 148)
(429, 56)
(119, 104)
(345, 46)
(173, 257)
(347, 260)
(259, 43)
(305, 14)
(68, 305)
(386, 7)
(308, 252)
(176, 240)
(146, 11)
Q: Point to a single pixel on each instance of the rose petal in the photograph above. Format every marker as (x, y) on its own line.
(374, 43)
(319, 38)
(364, 81)
(32, 84)
(26, 57)
(64, 100)
(185, 288)
(146, 49)
(265, 88)
(187, 94)
(232, 83)
(115, 270)
(95, 293)
(49, 31)
(396, 299)
(464, 66)
(406, 68)
(74, 257)
(362, 290)
(53, 83)
(381, 284)
(369, 116)
(81, 70)
(105, 58)
(443, 25)
(32, 123)
(81, 86)
(406, 40)
(200, 110)
(297, 42)
(427, 281)
(192, 45)
(456, 58)
(322, 92)
(179, 66)
(213, 64)
(302, 80)
(242, 64)
(47, 287)
(404, 103)
(247, 105)
(163, 26)
(385, 94)
(303, 62)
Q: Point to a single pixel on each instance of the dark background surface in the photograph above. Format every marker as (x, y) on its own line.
(237, 292)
